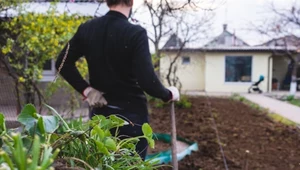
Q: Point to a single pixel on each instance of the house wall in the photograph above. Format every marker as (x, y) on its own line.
(192, 76)
(215, 72)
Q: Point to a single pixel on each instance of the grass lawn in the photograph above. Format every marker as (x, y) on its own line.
(295, 102)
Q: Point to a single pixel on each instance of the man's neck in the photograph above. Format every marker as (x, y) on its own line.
(122, 9)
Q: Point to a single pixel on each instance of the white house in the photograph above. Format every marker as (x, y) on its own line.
(227, 64)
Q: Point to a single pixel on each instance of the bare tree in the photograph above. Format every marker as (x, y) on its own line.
(190, 32)
(283, 29)
(168, 17)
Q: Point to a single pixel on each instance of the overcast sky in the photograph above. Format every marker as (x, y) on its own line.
(241, 12)
(238, 14)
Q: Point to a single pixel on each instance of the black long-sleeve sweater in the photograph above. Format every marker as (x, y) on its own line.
(119, 63)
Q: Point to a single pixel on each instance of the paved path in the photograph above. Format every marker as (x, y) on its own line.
(286, 110)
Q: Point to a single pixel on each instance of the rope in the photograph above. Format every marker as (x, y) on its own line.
(217, 132)
(62, 63)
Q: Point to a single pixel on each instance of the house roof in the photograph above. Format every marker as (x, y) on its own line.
(289, 40)
(174, 41)
(81, 7)
(226, 39)
(234, 49)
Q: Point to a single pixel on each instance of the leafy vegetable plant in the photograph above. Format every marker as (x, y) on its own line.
(49, 141)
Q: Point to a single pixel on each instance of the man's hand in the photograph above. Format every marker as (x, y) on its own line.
(94, 97)
(175, 93)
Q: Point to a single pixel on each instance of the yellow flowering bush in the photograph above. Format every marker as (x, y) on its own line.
(35, 38)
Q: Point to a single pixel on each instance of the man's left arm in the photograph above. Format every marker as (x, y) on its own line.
(69, 70)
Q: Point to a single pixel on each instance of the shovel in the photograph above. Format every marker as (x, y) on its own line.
(174, 138)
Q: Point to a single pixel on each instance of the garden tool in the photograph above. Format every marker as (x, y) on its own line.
(174, 138)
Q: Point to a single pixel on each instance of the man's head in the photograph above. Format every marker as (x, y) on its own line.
(123, 6)
(112, 3)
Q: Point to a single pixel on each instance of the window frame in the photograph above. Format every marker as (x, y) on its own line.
(49, 75)
(238, 83)
(185, 57)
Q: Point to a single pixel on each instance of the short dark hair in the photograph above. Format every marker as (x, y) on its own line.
(117, 2)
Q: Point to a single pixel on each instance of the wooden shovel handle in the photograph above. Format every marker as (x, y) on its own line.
(174, 138)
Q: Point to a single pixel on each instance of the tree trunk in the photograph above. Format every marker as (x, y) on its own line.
(29, 95)
(293, 85)
(157, 64)
(18, 97)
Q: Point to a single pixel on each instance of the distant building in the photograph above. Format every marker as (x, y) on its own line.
(229, 64)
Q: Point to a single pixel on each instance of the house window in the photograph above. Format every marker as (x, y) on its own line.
(49, 70)
(238, 68)
(186, 60)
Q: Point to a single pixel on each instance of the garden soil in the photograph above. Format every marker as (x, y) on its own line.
(271, 146)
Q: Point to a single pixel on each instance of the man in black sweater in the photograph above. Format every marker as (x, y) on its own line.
(120, 68)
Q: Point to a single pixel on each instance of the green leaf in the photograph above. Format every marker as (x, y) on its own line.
(29, 109)
(107, 133)
(35, 153)
(2, 124)
(110, 144)
(151, 143)
(41, 126)
(98, 118)
(147, 130)
(99, 132)
(59, 116)
(130, 146)
(19, 152)
(27, 142)
(117, 122)
(54, 137)
(101, 121)
(51, 123)
(7, 159)
(101, 148)
(28, 117)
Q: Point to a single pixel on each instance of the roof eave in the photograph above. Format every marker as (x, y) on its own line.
(226, 50)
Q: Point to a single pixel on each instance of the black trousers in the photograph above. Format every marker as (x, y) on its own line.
(134, 129)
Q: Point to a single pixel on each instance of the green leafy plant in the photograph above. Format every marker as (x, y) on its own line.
(19, 151)
(290, 98)
(184, 102)
(47, 142)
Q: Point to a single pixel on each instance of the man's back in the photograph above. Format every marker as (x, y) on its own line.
(108, 48)
(120, 65)
(119, 62)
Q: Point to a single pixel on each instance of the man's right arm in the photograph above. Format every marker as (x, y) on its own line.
(143, 68)
(69, 70)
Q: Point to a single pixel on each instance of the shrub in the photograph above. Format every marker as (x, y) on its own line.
(184, 102)
(290, 98)
(44, 144)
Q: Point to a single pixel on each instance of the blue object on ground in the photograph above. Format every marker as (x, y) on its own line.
(165, 157)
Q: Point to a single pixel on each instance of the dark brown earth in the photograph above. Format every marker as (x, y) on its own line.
(272, 146)
(159, 146)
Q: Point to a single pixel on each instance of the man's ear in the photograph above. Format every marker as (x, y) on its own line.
(131, 3)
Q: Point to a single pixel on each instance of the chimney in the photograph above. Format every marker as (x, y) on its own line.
(224, 27)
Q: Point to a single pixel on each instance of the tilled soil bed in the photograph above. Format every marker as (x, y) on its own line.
(272, 146)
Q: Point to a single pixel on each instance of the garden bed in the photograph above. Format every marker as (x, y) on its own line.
(271, 145)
